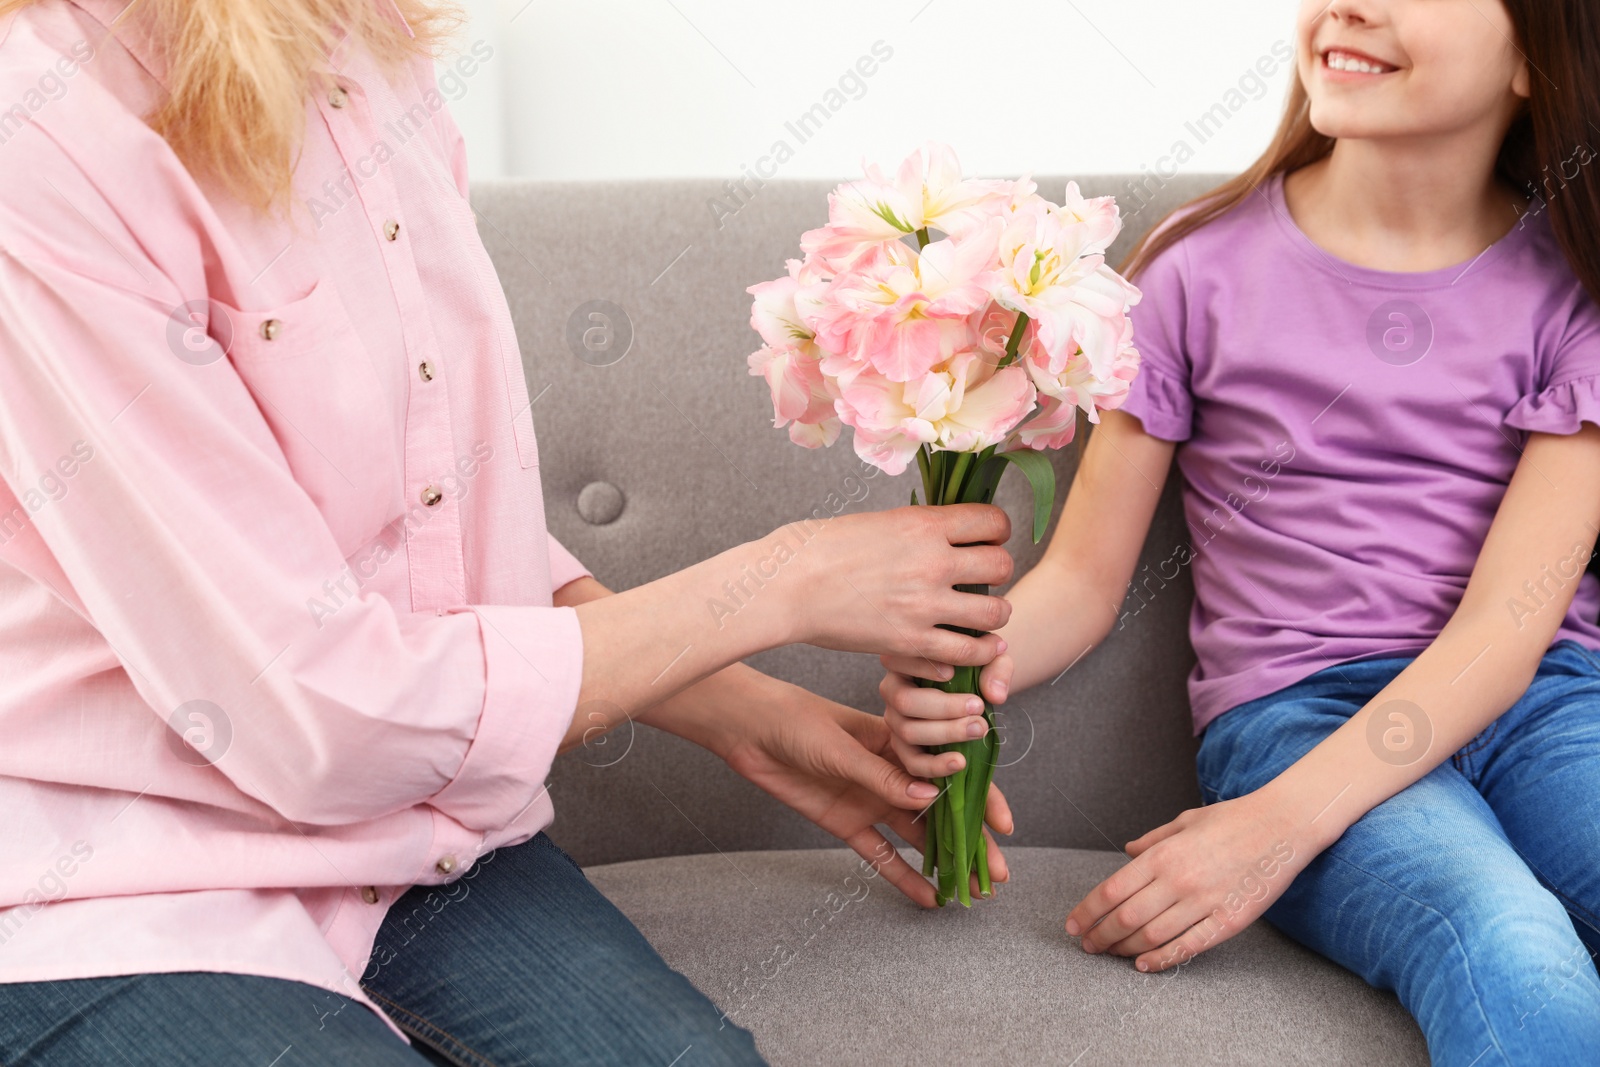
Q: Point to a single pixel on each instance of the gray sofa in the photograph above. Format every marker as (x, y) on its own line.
(656, 451)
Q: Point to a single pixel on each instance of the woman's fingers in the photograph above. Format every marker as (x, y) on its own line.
(916, 667)
(963, 650)
(873, 847)
(973, 611)
(890, 783)
(998, 814)
(983, 565)
(970, 524)
(884, 582)
(910, 827)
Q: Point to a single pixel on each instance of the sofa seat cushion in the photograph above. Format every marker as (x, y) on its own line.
(829, 966)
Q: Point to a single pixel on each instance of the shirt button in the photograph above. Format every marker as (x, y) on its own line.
(337, 97)
(369, 894)
(270, 329)
(426, 370)
(430, 497)
(391, 229)
(446, 865)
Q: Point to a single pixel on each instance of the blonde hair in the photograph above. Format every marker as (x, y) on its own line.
(238, 72)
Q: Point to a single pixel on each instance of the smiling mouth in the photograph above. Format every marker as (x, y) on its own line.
(1347, 62)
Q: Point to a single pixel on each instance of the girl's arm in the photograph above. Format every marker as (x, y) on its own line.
(1181, 895)
(1059, 610)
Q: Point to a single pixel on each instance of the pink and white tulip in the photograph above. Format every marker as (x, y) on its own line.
(926, 193)
(902, 312)
(904, 345)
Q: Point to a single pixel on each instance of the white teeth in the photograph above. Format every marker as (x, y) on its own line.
(1341, 61)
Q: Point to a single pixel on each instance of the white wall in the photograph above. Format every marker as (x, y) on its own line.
(580, 89)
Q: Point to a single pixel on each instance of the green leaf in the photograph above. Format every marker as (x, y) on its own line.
(1042, 476)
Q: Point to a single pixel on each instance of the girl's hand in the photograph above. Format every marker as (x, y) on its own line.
(918, 716)
(1193, 883)
(833, 765)
(884, 581)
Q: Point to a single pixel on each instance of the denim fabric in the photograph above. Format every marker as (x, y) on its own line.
(519, 962)
(1474, 894)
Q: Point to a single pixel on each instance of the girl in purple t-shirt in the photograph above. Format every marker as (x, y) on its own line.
(1377, 363)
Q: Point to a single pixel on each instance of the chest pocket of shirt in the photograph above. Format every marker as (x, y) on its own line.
(313, 380)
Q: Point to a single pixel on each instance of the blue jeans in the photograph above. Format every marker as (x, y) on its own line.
(530, 966)
(1474, 894)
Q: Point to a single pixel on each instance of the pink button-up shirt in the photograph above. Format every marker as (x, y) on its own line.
(276, 634)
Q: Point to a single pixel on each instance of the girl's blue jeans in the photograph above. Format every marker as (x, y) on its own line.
(1473, 894)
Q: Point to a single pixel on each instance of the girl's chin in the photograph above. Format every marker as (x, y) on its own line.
(1351, 124)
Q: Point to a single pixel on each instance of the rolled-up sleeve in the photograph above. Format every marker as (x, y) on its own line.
(186, 542)
(564, 566)
(1159, 395)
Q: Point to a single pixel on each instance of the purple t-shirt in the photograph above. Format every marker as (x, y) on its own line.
(1347, 435)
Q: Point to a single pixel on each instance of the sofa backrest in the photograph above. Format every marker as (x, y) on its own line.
(657, 450)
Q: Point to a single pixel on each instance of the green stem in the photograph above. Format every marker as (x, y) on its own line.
(947, 858)
(958, 815)
(980, 764)
(922, 239)
(985, 886)
(1014, 342)
(958, 473)
(955, 848)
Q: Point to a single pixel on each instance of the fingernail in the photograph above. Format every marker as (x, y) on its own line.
(1072, 927)
(947, 673)
(922, 790)
(1001, 647)
(974, 706)
(1002, 688)
(1142, 965)
(976, 729)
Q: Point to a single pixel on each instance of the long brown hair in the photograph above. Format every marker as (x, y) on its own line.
(239, 70)
(1551, 135)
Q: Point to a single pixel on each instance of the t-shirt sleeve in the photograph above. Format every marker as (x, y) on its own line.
(1569, 394)
(1159, 395)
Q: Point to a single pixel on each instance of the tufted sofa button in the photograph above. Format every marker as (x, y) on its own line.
(600, 503)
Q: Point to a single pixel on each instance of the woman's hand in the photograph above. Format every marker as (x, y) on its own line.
(918, 716)
(833, 765)
(1194, 882)
(884, 581)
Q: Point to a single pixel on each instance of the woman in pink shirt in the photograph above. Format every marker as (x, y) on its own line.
(286, 649)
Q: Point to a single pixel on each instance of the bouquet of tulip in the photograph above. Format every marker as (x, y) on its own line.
(966, 353)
